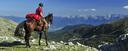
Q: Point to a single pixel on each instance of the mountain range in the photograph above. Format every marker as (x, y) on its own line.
(60, 21)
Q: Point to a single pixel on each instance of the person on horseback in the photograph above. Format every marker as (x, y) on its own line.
(36, 22)
(38, 17)
(39, 12)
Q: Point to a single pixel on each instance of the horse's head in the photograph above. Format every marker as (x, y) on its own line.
(49, 18)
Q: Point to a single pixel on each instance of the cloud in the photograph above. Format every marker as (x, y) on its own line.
(86, 10)
(125, 7)
(93, 9)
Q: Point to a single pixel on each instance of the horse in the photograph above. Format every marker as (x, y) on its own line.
(30, 26)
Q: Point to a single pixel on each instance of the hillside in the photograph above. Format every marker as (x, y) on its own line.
(92, 35)
(10, 43)
(69, 32)
(6, 27)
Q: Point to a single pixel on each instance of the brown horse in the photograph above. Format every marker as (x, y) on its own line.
(31, 25)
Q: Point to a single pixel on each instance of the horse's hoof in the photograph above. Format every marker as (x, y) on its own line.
(28, 46)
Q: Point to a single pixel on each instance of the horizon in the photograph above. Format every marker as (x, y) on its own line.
(64, 7)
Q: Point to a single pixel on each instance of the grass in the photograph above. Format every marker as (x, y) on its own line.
(44, 48)
(19, 48)
(7, 27)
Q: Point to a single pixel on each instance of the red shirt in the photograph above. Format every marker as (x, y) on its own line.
(38, 10)
(36, 16)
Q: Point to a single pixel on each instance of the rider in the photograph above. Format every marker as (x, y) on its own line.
(37, 17)
(39, 12)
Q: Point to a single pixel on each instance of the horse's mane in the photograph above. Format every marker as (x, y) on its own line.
(49, 15)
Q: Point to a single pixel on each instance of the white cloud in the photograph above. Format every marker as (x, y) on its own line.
(86, 10)
(125, 7)
(93, 9)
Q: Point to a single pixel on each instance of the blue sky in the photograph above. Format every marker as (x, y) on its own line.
(64, 7)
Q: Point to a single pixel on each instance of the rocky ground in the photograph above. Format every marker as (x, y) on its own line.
(14, 44)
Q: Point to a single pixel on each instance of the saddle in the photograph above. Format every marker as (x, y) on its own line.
(36, 18)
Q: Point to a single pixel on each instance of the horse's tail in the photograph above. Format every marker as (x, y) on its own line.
(20, 29)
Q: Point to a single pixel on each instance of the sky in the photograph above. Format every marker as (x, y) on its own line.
(64, 7)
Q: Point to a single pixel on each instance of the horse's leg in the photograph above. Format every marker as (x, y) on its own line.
(40, 35)
(46, 39)
(27, 35)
